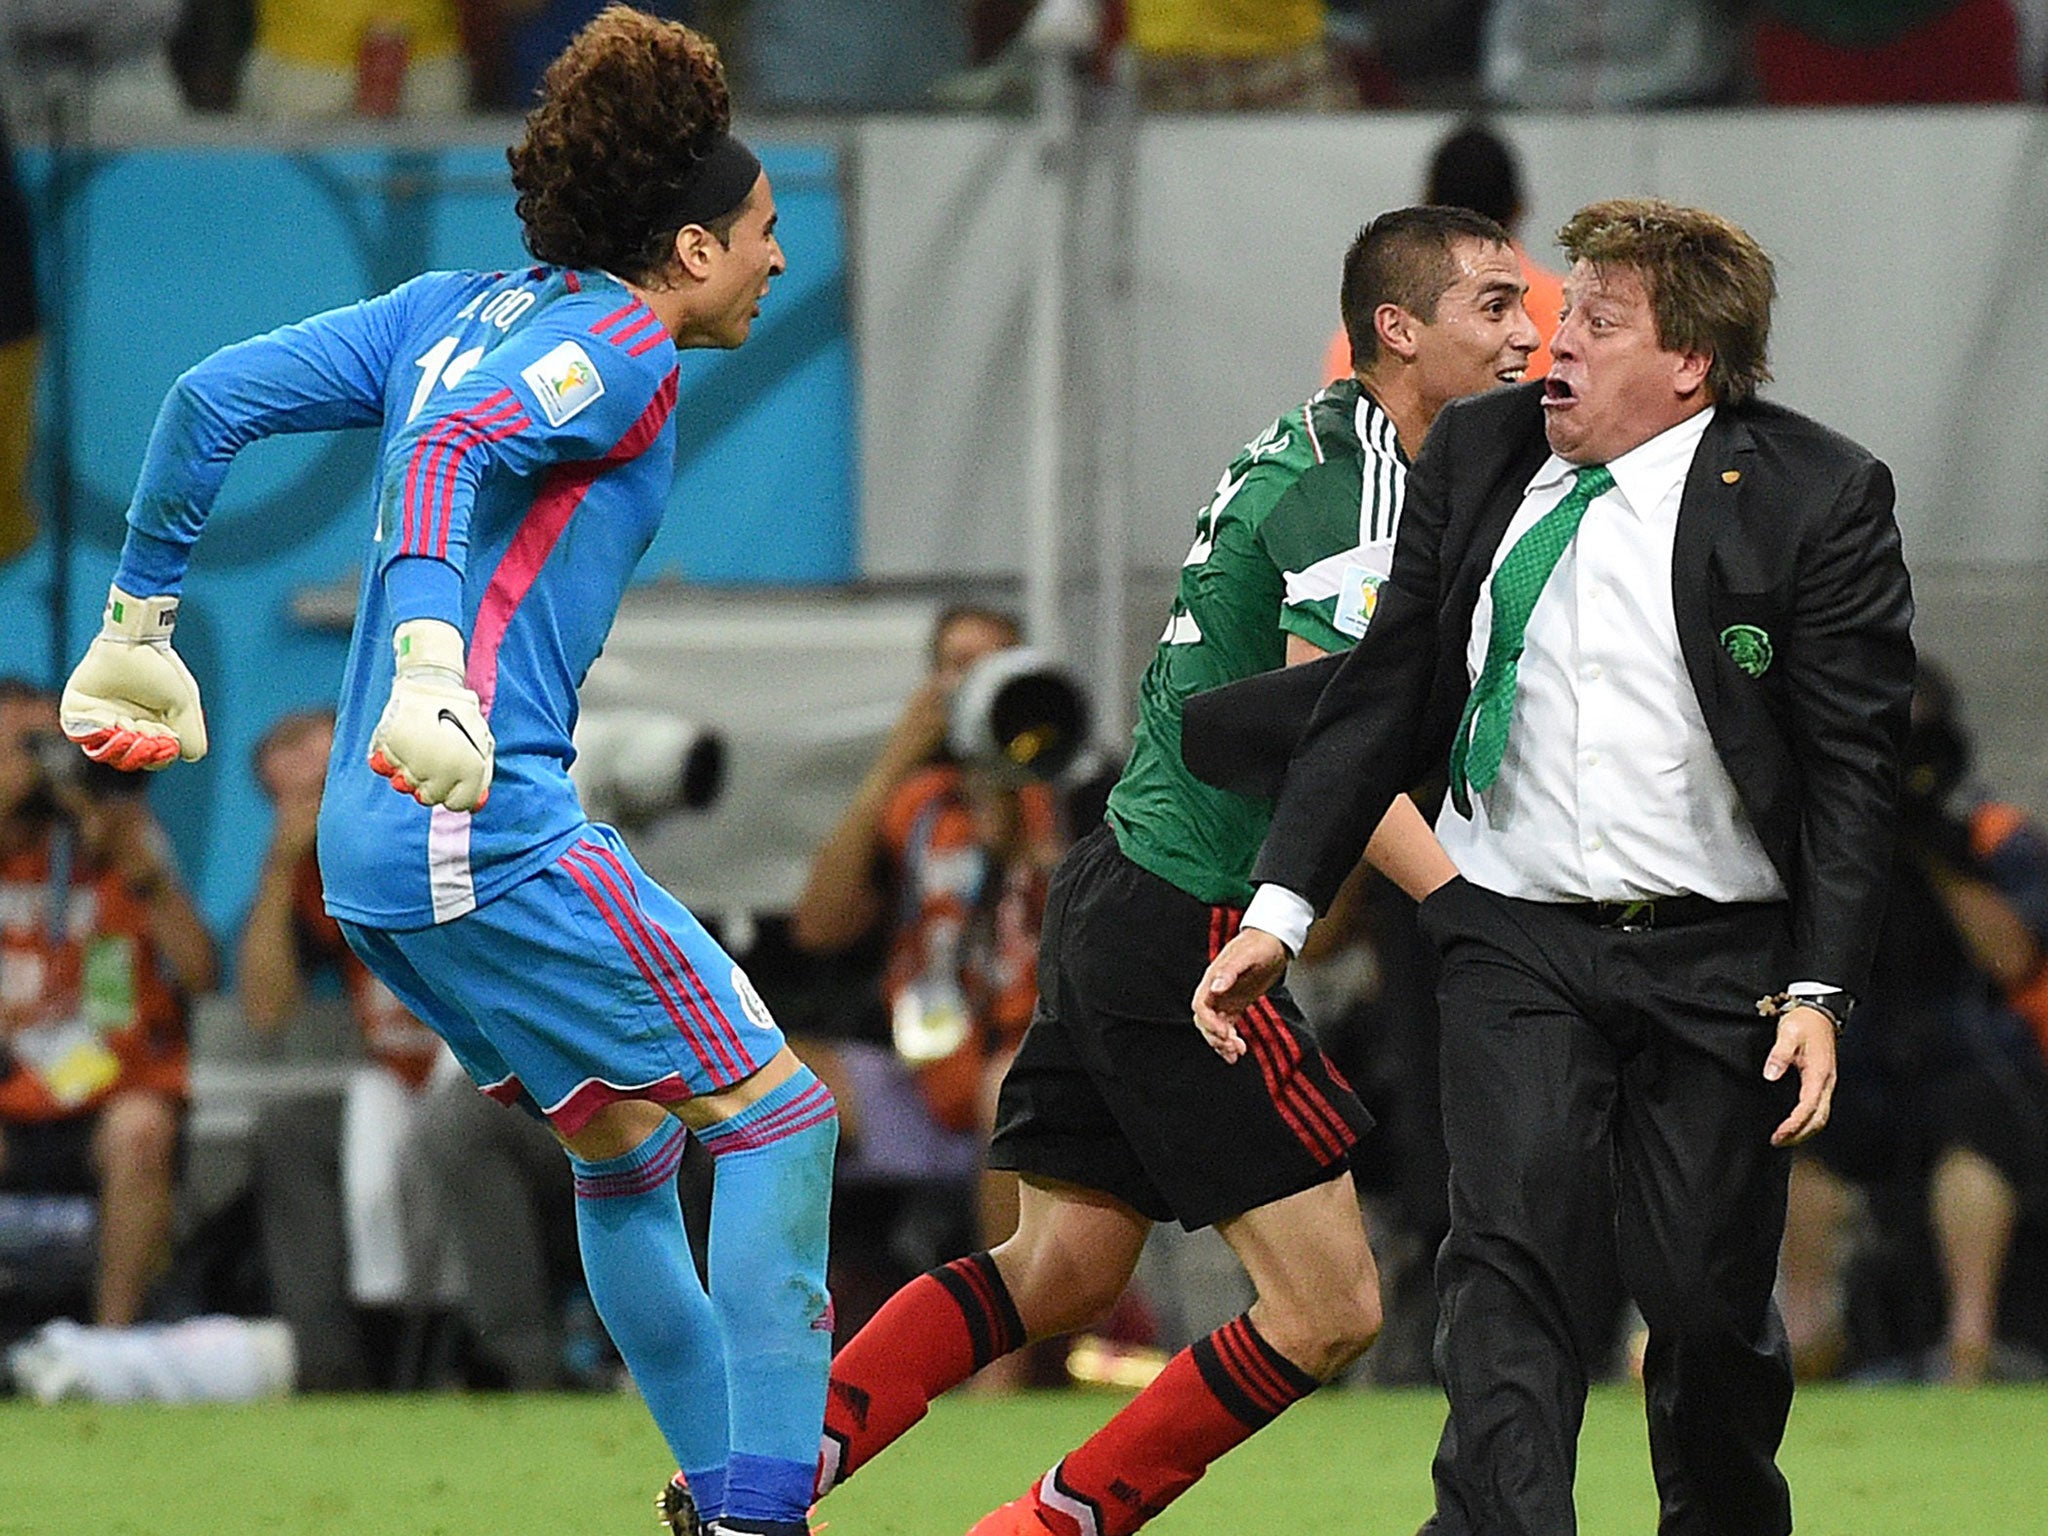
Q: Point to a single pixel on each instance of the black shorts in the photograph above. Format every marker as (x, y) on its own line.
(49, 1157)
(1116, 1090)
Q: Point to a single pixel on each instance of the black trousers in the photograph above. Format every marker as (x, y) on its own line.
(1604, 1103)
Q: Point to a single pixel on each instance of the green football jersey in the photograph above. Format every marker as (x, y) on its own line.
(1296, 540)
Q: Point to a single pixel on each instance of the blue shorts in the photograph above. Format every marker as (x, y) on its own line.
(584, 984)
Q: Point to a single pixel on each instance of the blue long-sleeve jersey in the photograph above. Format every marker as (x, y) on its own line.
(526, 459)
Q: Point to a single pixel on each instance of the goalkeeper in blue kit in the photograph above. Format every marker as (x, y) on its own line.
(526, 460)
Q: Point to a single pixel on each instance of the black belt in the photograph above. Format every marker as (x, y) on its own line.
(1651, 912)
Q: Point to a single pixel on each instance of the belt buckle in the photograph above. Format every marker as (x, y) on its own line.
(1634, 917)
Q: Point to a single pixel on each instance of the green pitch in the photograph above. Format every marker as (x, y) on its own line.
(1890, 1462)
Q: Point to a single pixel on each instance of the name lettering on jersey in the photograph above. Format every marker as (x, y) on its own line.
(1272, 445)
(500, 308)
(564, 382)
(1358, 598)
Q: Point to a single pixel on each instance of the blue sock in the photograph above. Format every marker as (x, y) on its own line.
(636, 1258)
(771, 1205)
(707, 1487)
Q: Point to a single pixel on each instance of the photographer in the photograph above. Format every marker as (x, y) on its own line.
(1941, 1115)
(100, 946)
(947, 862)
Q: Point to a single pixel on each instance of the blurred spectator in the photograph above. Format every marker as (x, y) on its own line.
(1827, 53)
(1942, 1110)
(102, 64)
(336, 1235)
(1411, 52)
(207, 50)
(20, 351)
(1236, 56)
(846, 55)
(510, 42)
(324, 59)
(1476, 168)
(845, 895)
(947, 863)
(1608, 55)
(947, 866)
(971, 855)
(500, 1191)
(100, 947)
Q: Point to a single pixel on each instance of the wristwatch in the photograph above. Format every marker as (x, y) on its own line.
(1832, 1001)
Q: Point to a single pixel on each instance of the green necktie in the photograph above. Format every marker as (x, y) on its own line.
(1490, 711)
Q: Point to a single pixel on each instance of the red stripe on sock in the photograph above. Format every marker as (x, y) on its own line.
(917, 1347)
(813, 1106)
(1154, 1450)
(658, 1170)
(1255, 1377)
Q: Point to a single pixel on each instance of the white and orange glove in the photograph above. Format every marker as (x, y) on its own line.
(130, 702)
(431, 742)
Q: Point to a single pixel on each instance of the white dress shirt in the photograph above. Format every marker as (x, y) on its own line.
(1610, 789)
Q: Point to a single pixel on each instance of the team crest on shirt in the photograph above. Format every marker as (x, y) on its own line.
(750, 1001)
(564, 382)
(1358, 597)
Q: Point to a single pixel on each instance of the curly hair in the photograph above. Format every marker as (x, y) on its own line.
(625, 115)
(1710, 285)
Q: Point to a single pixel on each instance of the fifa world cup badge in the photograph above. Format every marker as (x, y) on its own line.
(563, 382)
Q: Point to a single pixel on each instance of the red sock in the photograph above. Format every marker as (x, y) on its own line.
(927, 1339)
(1211, 1396)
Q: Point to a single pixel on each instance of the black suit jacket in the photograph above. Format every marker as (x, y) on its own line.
(1784, 526)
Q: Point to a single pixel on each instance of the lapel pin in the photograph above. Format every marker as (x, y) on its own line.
(1730, 476)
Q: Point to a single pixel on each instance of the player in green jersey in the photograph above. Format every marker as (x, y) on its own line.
(1116, 1113)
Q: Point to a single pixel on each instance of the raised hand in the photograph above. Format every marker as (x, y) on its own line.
(130, 702)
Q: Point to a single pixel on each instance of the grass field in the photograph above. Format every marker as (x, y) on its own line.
(1869, 1462)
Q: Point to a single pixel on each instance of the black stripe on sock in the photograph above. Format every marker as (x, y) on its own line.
(980, 1330)
(1299, 1380)
(1009, 1324)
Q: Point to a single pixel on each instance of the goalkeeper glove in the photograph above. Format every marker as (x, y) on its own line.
(431, 741)
(130, 702)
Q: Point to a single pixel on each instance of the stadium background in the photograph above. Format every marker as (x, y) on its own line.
(874, 440)
(871, 448)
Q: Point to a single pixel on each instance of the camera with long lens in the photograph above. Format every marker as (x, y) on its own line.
(634, 766)
(1020, 714)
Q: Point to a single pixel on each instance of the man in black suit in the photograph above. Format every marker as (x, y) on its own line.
(1659, 631)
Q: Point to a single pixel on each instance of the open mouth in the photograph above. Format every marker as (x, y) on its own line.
(1557, 392)
(1511, 375)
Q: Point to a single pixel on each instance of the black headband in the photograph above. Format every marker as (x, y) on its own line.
(719, 182)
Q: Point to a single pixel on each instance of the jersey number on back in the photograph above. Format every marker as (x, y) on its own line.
(440, 364)
(1181, 628)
